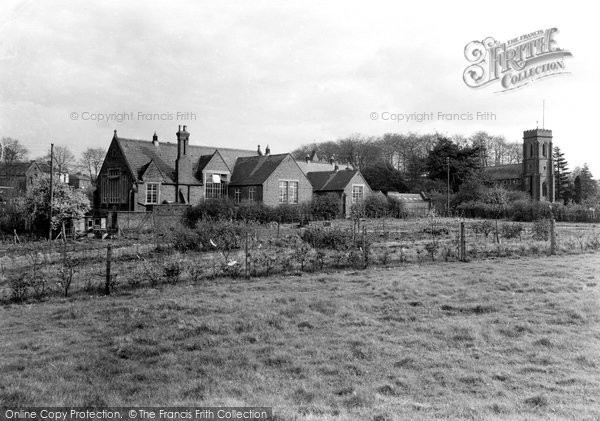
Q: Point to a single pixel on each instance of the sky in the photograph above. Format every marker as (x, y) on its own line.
(282, 74)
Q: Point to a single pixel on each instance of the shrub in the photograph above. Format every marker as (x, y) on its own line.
(172, 271)
(513, 230)
(327, 206)
(19, 288)
(212, 209)
(376, 205)
(540, 229)
(253, 211)
(483, 227)
(334, 239)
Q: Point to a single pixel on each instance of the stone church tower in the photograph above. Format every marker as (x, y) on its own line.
(538, 169)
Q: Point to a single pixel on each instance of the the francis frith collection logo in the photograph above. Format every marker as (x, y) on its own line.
(514, 63)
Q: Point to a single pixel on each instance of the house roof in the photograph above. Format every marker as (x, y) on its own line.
(311, 166)
(407, 197)
(79, 176)
(330, 180)
(252, 171)
(504, 172)
(21, 168)
(138, 153)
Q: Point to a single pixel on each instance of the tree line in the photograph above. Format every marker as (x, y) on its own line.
(65, 161)
(414, 162)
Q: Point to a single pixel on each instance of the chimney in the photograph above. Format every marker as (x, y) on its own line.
(336, 168)
(332, 160)
(268, 151)
(307, 158)
(258, 151)
(183, 163)
(155, 139)
(182, 142)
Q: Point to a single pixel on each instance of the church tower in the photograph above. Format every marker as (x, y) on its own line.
(538, 170)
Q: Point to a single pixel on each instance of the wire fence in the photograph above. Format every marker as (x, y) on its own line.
(268, 249)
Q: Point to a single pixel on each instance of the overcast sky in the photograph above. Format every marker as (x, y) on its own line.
(281, 73)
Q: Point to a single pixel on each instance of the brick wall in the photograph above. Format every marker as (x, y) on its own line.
(290, 171)
(357, 179)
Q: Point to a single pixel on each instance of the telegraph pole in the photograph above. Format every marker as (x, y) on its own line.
(448, 187)
(51, 189)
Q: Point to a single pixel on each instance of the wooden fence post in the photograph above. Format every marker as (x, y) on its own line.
(552, 237)
(365, 247)
(108, 259)
(247, 271)
(463, 245)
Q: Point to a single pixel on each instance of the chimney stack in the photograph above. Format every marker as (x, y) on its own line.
(183, 163)
(307, 158)
(268, 151)
(258, 151)
(332, 160)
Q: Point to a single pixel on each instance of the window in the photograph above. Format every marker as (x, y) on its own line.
(151, 193)
(283, 192)
(215, 185)
(293, 192)
(530, 150)
(357, 192)
(544, 150)
(237, 196)
(251, 194)
(114, 187)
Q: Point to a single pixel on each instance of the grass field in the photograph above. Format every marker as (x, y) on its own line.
(491, 339)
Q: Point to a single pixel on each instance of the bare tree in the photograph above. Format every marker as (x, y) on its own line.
(91, 160)
(64, 160)
(12, 152)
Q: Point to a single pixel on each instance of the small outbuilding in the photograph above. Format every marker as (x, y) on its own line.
(413, 204)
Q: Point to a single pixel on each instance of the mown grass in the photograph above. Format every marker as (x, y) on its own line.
(501, 339)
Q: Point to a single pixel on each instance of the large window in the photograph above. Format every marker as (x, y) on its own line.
(288, 191)
(252, 194)
(358, 192)
(283, 192)
(151, 193)
(293, 192)
(216, 185)
(237, 196)
(113, 187)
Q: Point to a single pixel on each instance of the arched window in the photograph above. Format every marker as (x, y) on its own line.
(544, 150)
(530, 150)
(544, 189)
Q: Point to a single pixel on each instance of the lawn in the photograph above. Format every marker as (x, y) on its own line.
(492, 339)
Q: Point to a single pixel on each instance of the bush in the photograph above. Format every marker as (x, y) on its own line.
(483, 227)
(513, 230)
(327, 206)
(212, 209)
(19, 288)
(376, 205)
(172, 271)
(541, 229)
(334, 239)
(253, 211)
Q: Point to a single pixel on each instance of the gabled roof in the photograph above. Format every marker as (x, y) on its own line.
(21, 168)
(138, 153)
(253, 171)
(311, 166)
(79, 176)
(330, 180)
(407, 197)
(504, 172)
